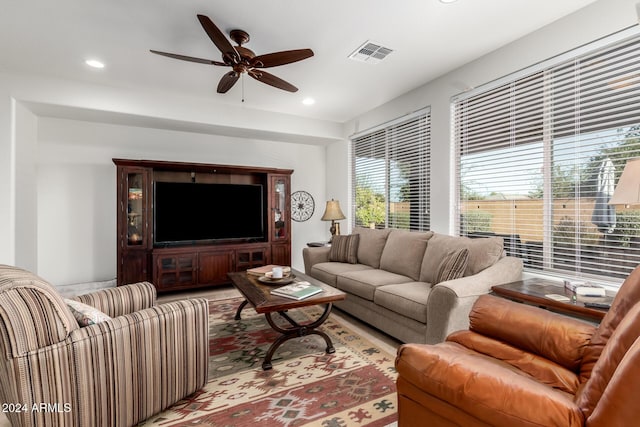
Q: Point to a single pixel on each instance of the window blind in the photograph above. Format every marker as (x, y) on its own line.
(390, 173)
(537, 159)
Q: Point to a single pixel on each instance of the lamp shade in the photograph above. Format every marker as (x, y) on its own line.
(627, 191)
(332, 212)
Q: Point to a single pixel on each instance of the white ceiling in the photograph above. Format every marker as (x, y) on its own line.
(53, 38)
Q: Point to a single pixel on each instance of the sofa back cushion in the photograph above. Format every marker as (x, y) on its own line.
(404, 251)
(483, 253)
(85, 314)
(371, 245)
(531, 329)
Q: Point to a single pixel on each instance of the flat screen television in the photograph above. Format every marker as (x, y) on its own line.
(185, 212)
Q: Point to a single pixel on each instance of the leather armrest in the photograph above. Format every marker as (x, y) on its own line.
(558, 338)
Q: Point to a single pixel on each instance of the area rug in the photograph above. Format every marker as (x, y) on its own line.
(355, 386)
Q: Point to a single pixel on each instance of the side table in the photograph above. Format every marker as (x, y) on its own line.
(533, 291)
(317, 244)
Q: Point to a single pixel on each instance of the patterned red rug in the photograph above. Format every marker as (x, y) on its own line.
(355, 386)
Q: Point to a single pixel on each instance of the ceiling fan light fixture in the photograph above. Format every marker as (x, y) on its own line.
(94, 63)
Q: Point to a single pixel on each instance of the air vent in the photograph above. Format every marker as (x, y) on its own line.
(370, 52)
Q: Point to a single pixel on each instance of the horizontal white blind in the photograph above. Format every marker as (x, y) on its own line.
(390, 170)
(534, 155)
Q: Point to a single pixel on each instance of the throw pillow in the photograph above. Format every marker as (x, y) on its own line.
(344, 248)
(85, 314)
(453, 266)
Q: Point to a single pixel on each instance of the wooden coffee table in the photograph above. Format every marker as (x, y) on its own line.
(258, 294)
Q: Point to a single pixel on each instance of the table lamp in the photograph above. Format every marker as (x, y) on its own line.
(627, 191)
(333, 213)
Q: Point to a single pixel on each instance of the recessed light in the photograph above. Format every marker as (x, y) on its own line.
(94, 63)
(308, 101)
(448, 1)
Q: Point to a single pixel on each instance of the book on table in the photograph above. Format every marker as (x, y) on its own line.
(572, 285)
(585, 289)
(297, 290)
(261, 271)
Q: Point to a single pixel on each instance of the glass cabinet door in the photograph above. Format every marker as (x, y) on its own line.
(136, 230)
(280, 210)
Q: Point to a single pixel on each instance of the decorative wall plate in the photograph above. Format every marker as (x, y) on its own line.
(302, 206)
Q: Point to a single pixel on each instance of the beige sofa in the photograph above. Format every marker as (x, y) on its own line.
(392, 279)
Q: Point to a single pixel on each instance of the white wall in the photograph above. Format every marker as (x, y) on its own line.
(591, 23)
(339, 181)
(57, 181)
(77, 187)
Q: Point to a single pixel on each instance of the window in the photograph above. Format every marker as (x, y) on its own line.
(538, 156)
(390, 170)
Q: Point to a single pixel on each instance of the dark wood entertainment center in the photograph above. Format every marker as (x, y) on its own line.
(195, 264)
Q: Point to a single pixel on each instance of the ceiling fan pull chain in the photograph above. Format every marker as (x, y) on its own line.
(242, 81)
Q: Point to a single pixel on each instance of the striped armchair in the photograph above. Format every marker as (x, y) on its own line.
(114, 373)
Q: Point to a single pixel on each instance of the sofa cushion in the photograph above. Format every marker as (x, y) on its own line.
(85, 314)
(364, 283)
(371, 245)
(407, 299)
(344, 248)
(404, 251)
(483, 253)
(327, 272)
(452, 266)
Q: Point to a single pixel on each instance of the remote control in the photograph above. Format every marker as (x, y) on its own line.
(603, 305)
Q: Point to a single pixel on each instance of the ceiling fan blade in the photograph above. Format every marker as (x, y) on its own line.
(227, 81)
(219, 39)
(281, 58)
(189, 58)
(270, 79)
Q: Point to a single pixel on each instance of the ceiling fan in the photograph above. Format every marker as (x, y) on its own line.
(243, 60)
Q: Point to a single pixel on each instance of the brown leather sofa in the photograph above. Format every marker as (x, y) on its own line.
(519, 365)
